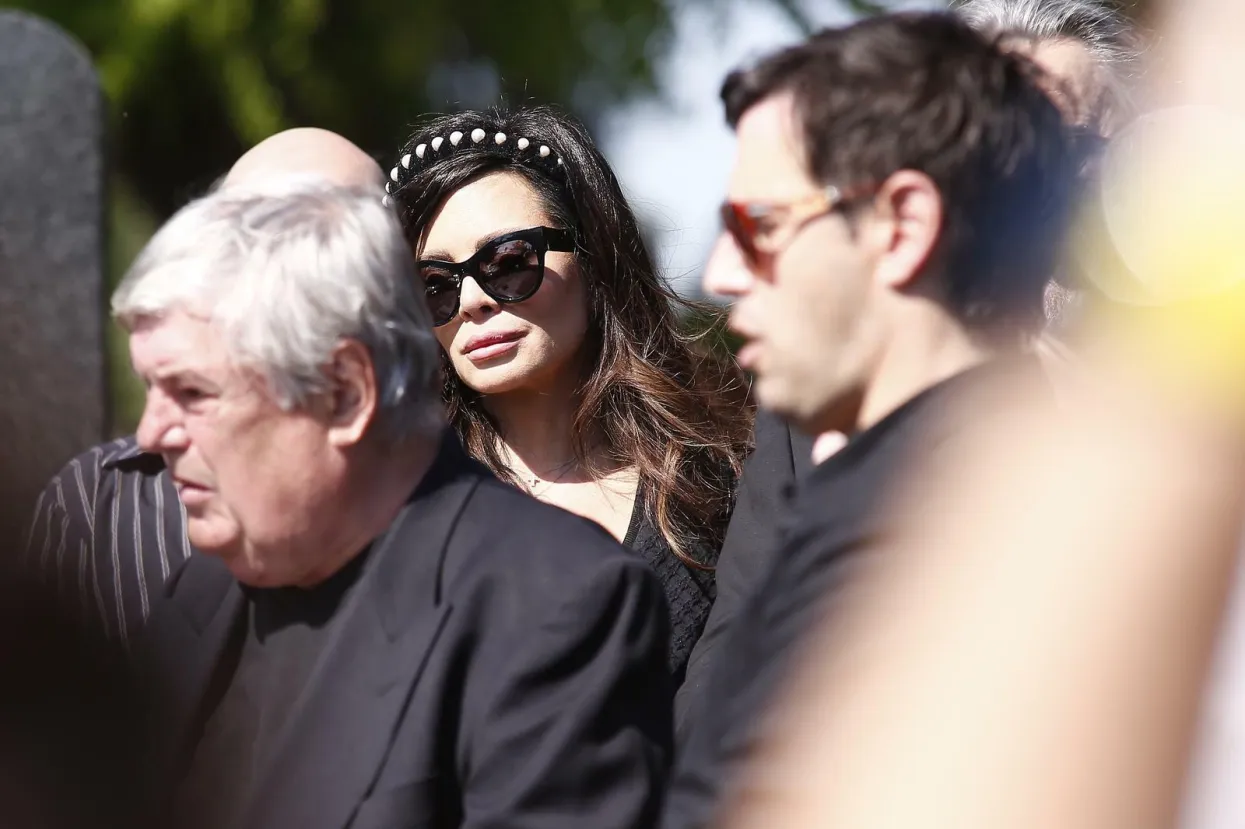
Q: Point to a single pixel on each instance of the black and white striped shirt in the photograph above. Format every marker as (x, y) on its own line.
(109, 528)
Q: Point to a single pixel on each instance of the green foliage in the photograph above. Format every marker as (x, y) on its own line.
(131, 225)
(193, 83)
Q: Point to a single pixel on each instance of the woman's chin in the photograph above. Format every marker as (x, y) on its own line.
(494, 380)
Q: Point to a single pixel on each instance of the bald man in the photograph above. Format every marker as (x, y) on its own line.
(305, 151)
(109, 528)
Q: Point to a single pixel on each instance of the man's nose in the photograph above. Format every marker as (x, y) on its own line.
(160, 430)
(726, 273)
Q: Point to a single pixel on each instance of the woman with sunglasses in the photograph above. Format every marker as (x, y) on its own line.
(567, 372)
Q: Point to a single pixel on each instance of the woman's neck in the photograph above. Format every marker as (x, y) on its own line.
(539, 447)
(537, 431)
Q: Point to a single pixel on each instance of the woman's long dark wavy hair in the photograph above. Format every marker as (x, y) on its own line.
(661, 400)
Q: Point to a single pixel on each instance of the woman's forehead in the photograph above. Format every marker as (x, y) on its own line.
(493, 200)
(476, 212)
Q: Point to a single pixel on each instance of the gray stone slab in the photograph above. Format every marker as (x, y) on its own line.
(53, 400)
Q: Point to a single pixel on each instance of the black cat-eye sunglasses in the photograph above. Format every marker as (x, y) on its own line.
(509, 268)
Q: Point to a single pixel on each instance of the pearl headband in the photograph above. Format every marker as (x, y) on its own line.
(426, 153)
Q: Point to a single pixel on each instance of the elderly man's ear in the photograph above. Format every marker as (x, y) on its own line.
(352, 398)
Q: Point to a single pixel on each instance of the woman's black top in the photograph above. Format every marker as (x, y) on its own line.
(690, 590)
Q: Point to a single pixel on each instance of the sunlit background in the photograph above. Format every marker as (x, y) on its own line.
(192, 84)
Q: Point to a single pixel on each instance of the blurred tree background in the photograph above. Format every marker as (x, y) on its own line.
(192, 84)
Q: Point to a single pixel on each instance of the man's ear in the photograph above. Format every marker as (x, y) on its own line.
(904, 226)
(353, 398)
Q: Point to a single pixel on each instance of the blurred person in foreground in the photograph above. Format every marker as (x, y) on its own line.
(71, 719)
(1091, 55)
(1032, 648)
(375, 631)
(109, 528)
(886, 263)
(71, 728)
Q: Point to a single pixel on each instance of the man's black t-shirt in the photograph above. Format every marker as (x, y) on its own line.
(263, 676)
(837, 515)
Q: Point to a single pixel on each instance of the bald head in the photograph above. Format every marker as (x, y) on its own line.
(306, 151)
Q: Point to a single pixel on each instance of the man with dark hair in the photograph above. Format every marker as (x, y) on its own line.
(898, 199)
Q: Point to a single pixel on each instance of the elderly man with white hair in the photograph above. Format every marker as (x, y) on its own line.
(1091, 53)
(109, 529)
(378, 632)
(1091, 50)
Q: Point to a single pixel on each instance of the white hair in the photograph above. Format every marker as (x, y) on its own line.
(1107, 34)
(287, 273)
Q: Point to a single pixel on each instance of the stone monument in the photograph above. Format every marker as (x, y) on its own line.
(53, 398)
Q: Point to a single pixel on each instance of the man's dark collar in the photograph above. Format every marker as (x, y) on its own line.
(921, 405)
(126, 456)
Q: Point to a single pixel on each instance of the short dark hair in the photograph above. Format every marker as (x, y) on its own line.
(925, 92)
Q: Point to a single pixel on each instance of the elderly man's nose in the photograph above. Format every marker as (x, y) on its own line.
(160, 428)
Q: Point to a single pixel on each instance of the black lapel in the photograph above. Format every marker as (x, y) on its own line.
(179, 651)
(339, 733)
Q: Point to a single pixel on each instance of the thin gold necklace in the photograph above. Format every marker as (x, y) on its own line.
(555, 475)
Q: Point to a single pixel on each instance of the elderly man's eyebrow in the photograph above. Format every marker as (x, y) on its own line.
(182, 375)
